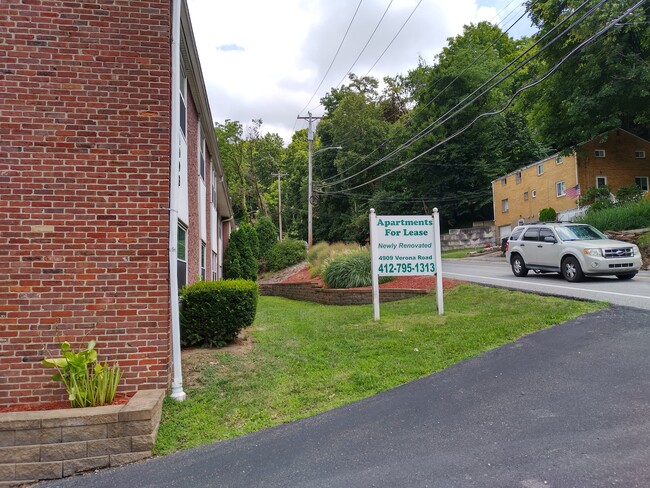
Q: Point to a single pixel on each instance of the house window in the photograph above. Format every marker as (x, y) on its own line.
(642, 182)
(518, 177)
(540, 169)
(181, 256)
(601, 181)
(639, 154)
(504, 205)
(525, 195)
(202, 271)
(504, 181)
(558, 159)
(213, 266)
(599, 153)
(533, 194)
(201, 154)
(559, 189)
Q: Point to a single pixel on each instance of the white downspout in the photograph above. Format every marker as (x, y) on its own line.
(177, 381)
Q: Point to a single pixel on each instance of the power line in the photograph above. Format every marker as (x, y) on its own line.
(459, 107)
(586, 42)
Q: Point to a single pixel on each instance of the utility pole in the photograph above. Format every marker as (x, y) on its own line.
(280, 175)
(310, 146)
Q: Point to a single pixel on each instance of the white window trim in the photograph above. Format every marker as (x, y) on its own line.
(599, 153)
(505, 207)
(639, 154)
(647, 182)
(518, 177)
(557, 188)
(525, 196)
(540, 169)
(533, 193)
(603, 177)
(559, 159)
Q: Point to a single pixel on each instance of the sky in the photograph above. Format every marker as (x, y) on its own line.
(265, 59)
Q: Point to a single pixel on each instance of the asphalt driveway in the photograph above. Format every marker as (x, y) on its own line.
(564, 407)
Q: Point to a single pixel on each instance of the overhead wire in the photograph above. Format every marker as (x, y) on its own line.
(583, 44)
(464, 103)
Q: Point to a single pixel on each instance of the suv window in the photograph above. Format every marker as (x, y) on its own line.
(579, 233)
(516, 233)
(545, 232)
(531, 234)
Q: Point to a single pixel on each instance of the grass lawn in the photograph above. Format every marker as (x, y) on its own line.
(461, 253)
(309, 358)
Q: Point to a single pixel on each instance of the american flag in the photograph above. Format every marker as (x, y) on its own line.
(573, 192)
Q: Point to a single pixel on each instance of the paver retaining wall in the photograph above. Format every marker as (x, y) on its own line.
(53, 444)
(311, 292)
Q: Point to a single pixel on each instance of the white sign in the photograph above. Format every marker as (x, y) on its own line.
(405, 245)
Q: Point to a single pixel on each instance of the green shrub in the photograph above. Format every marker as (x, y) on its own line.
(547, 215)
(622, 217)
(350, 270)
(286, 253)
(596, 198)
(213, 312)
(241, 256)
(267, 236)
(320, 254)
(629, 193)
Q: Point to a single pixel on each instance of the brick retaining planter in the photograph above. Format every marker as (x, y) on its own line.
(310, 292)
(57, 443)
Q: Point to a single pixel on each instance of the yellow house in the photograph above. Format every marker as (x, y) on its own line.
(617, 158)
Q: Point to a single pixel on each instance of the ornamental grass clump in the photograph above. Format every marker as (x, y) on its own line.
(350, 270)
(88, 383)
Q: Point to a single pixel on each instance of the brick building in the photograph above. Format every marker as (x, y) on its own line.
(111, 188)
(615, 159)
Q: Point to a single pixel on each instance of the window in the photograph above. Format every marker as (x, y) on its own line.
(540, 169)
(558, 159)
(201, 154)
(545, 232)
(599, 153)
(531, 234)
(504, 205)
(642, 182)
(601, 181)
(202, 272)
(181, 256)
(213, 266)
(533, 194)
(504, 181)
(525, 195)
(518, 177)
(639, 154)
(559, 189)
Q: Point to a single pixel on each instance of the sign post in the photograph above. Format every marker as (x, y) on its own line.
(405, 245)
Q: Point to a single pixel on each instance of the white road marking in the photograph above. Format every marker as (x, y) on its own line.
(549, 286)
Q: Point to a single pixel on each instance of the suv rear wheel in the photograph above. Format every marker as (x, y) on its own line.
(571, 270)
(519, 268)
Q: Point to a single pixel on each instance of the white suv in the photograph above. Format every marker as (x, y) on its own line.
(573, 250)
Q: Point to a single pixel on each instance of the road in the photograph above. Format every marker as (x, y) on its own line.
(495, 271)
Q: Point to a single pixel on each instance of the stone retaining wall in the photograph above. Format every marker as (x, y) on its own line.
(57, 443)
(467, 238)
(311, 292)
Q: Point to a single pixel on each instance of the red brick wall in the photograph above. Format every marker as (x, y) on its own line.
(193, 231)
(84, 183)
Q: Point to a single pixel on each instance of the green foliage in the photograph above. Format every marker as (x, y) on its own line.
(309, 358)
(320, 254)
(240, 260)
(597, 198)
(88, 383)
(634, 215)
(547, 215)
(350, 270)
(629, 193)
(213, 312)
(267, 236)
(286, 253)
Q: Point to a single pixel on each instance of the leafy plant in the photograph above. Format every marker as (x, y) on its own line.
(629, 193)
(241, 257)
(286, 253)
(547, 215)
(267, 235)
(350, 270)
(88, 383)
(622, 217)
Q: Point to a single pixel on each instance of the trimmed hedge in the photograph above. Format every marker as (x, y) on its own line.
(286, 253)
(213, 312)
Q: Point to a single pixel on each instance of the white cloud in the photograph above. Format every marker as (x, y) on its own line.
(264, 59)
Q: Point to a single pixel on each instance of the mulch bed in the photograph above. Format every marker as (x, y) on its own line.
(401, 282)
(63, 404)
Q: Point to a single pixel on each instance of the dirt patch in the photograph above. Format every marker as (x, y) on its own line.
(64, 404)
(194, 359)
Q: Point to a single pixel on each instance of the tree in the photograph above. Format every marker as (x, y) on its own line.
(267, 235)
(240, 260)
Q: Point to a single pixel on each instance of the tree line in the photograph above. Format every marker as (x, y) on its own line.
(439, 134)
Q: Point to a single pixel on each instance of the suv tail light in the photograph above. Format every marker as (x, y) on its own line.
(507, 245)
